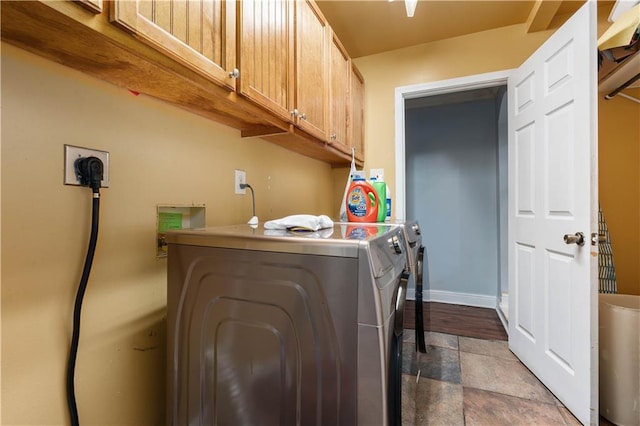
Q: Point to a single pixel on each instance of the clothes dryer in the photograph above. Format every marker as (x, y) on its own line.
(273, 327)
(418, 265)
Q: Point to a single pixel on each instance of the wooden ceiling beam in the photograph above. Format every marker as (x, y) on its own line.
(542, 12)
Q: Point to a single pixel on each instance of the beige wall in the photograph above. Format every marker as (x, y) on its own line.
(159, 154)
(488, 51)
(619, 184)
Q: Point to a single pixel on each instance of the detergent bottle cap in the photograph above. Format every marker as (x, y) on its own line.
(358, 176)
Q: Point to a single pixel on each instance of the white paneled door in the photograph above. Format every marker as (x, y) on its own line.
(553, 193)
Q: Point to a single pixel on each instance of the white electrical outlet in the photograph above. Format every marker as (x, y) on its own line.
(377, 173)
(72, 153)
(240, 178)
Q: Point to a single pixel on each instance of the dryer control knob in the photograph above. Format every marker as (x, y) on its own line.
(394, 243)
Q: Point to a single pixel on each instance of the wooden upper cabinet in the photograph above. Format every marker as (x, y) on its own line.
(356, 116)
(339, 95)
(93, 5)
(266, 54)
(312, 59)
(200, 34)
(182, 52)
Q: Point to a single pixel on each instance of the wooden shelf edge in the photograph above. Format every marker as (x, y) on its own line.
(302, 143)
(263, 131)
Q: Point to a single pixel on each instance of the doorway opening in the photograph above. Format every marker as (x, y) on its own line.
(451, 175)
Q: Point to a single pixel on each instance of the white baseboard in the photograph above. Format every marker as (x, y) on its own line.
(411, 294)
(503, 319)
(467, 299)
(503, 311)
(504, 305)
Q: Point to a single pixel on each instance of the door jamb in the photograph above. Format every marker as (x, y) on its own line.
(477, 81)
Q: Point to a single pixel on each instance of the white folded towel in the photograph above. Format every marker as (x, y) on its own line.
(320, 234)
(300, 222)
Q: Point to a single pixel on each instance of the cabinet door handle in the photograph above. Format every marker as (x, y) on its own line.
(303, 116)
(294, 113)
(235, 73)
(333, 136)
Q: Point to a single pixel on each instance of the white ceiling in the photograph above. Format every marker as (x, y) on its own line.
(367, 27)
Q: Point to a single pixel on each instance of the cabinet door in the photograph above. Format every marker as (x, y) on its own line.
(339, 95)
(266, 54)
(356, 122)
(311, 69)
(93, 5)
(199, 34)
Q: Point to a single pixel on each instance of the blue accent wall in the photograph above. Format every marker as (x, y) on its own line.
(452, 189)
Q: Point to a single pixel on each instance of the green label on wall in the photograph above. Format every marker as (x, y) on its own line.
(168, 221)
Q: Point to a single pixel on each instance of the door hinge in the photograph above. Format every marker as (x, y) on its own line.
(598, 238)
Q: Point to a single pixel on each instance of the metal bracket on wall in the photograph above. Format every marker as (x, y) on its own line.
(176, 216)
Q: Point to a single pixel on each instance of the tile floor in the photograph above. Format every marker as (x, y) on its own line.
(469, 381)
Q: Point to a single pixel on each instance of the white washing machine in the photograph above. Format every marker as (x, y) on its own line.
(278, 328)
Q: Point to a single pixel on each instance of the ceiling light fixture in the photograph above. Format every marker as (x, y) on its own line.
(411, 7)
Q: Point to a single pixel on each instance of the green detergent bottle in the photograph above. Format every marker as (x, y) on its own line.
(381, 190)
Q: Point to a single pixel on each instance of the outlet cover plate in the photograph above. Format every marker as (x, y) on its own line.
(72, 153)
(240, 177)
(376, 173)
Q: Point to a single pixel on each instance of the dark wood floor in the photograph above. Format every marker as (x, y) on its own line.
(469, 321)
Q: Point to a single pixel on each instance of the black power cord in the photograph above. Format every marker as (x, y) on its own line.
(89, 170)
(253, 195)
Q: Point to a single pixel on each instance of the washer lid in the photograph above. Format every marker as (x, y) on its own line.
(344, 240)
